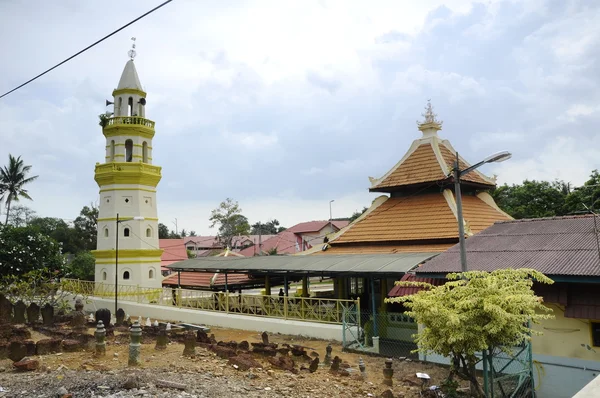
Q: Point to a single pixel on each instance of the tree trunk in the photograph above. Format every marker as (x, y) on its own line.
(7, 210)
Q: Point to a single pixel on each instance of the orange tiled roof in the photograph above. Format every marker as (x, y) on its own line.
(386, 249)
(450, 157)
(203, 279)
(421, 166)
(418, 217)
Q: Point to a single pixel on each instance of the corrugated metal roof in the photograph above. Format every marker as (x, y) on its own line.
(554, 246)
(400, 291)
(335, 264)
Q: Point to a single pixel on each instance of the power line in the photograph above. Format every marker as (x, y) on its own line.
(87, 48)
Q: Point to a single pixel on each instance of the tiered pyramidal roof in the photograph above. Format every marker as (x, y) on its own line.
(420, 213)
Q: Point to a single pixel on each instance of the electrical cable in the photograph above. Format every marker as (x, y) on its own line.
(87, 48)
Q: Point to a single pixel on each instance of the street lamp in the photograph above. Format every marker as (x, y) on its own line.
(330, 217)
(495, 158)
(136, 218)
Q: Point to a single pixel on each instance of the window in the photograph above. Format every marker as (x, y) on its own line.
(148, 233)
(595, 333)
(103, 275)
(112, 150)
(118, 113)
(151, 274)
(190, 248)
(105, 232)
(126, 232)
(130, 107)
(126, 275)
(128, 151)
(145, 152)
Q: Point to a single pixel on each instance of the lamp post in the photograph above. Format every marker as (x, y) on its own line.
(136, 218)
(330, 217)
(495, 158)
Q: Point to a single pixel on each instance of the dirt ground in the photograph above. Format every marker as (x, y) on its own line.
(269, 379)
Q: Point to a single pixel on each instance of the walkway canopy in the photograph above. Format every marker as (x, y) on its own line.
(365, 265)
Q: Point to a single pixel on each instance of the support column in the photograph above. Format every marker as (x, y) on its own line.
(305, 286)
(383, 295)
(373, 309)
(285, 284)
(267, 285)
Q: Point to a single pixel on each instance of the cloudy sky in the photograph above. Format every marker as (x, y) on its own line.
(285, 105)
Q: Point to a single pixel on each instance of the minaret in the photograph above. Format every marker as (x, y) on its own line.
(127, 181)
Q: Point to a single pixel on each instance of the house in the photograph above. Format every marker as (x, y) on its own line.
(567, 250)
(173, 251)
(203, 246)
(312, 233)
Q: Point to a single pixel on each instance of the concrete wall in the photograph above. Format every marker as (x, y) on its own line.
(592, 390)
(220, 319)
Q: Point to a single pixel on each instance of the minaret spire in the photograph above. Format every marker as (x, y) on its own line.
(132, 52)
(431, 124)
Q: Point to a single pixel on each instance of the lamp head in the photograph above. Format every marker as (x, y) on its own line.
(138, 218)
(498, 157)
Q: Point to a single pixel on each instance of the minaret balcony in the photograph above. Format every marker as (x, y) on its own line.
(128, 125)
(127, 173)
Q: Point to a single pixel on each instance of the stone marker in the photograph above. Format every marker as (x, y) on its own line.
(328, 354)
(103, 314)
(120, 316)
(388, 372)
(335, 364)
(17, 351)
(189, 341)
(314, 365)
(148, 322)
(135, 345)
(19, 310)
(168, 326)
(48, 315)
(100, 335)
(6, 310)
(362, 368)
(162, 339)
(78, 318)
(33, 313)
(265, 338)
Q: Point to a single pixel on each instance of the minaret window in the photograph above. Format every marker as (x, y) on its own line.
(151, 274)
(126, 275)
(103, 275)
(145, 152)
(130, 107)
(105, 232)
(148, 233)
(112, 150)
(128, 151)
(126, 232)
(120, 106)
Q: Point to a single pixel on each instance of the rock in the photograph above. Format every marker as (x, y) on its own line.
(71, 345)
(61, 392)
(27, 364)
(244, 362)
(132, 382)
(223, 352)
(47, 346)
(284, 363)
(387, 394)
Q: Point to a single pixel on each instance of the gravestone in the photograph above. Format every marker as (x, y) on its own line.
(135, 345)
(100, 335)
(362, 368)
(33, 313)
(265, 338)
(314, 365)
(335, 364)
(19, 310)
(17, 351)
(103, 314)
(6, 310)
(48, 315)
(78, 318)
(162, 339)
(388, 372)
(120, 316)
(189, 342)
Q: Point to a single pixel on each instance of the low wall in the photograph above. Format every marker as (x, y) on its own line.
(221, 319)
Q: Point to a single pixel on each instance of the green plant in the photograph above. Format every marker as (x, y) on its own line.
(103, 119)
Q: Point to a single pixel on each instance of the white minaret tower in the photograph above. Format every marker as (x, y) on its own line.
(127, 181)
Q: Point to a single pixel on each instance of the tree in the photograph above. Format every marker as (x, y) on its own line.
(473, 312)
(82, 266)
(163, 231)
(587, 195)
(228, 217)
(60, 231)
(183, 233)
(357, 214)
(271, 227)
(532, 199)
(13, 178)
(23, 249)
(192, 233)
(86, 225)
(20, 216)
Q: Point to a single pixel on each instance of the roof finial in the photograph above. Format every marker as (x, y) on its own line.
(132, 52)
(431, 124)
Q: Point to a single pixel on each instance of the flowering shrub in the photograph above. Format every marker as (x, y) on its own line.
(24, 249)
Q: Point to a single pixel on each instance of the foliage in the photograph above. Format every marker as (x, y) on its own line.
(103, 119)
(271, 227)
(191, 254)
(82, 266)
(228, 217)
(532, 199)
(41, 286)
(20, 216)
(478, 312)
(183, 233)
(60, 231)
(24, 249)
(272, 251)
(192, 233)
(163, 231)
(86, 225)
(357, 214)
(587, 195)
(13, 178)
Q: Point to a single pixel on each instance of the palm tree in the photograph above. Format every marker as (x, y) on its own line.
(12, 179)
